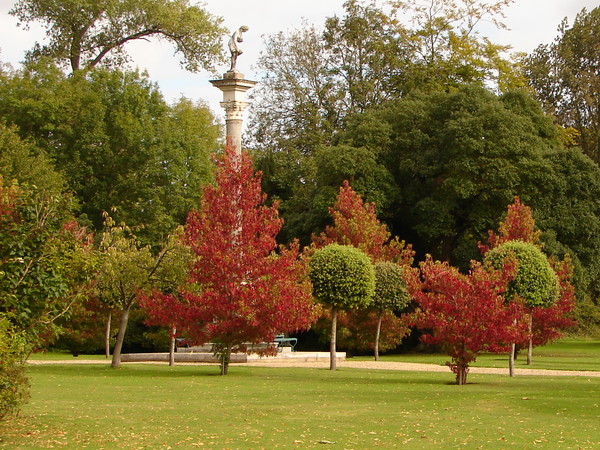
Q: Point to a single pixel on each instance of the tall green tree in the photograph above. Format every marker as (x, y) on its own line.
(565, 75)
(316, 81)
(447, 50)
(119, 144)
(127, 269)
(83, 34)
(298, 92)
(368, 56)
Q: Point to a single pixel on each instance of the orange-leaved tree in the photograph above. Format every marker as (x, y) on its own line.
(355, 223)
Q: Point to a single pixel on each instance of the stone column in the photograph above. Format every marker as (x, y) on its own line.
(234, 87)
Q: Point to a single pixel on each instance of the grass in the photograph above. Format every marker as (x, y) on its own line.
(59, 355)
(567, 354)
(147, 406)
(156, 406)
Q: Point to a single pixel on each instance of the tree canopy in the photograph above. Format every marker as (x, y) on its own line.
(83, 34)
(535, 282)
(565, 75)
(120, 146)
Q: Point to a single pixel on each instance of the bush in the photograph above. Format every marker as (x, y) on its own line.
(342, 276)
(535, 282)
(14, 385)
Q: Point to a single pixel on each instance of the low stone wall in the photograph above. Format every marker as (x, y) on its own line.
(294, 357)
(190, 357)
(207, 348)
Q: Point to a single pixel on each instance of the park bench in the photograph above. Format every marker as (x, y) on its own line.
(282, 341)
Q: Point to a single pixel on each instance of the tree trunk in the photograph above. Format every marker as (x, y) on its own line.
(225, 358)
(511, 361)
(332, 343)
(461, 375)
(530, 343)
(377, 334)
(116, 360)
(107, 336)
(172, 347)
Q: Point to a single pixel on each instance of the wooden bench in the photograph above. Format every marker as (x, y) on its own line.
(282, 341)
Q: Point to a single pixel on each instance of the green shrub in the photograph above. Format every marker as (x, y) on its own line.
(390, 287)
(536, 281)
(14, 385)
(342, 276)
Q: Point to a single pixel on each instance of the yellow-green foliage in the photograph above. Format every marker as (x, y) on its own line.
(14, 386)
(342, 276)
(390, 287)
(535, 280)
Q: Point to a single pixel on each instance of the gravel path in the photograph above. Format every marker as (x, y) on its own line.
(371, 365)
(417, 367)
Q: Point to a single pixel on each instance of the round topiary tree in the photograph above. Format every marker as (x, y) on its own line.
(535, 281)
(343, 278)
(390, 293)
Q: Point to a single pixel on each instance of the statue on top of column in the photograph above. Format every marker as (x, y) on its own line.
(234, 48)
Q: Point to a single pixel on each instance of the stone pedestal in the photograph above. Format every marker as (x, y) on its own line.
(234, 87)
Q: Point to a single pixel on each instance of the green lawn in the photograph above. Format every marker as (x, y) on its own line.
(156, 406)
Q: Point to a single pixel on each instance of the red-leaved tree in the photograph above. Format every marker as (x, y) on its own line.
(546, 322)
(243, 288)
(464, 314)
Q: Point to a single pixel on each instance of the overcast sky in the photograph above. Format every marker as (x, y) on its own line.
(531, 22)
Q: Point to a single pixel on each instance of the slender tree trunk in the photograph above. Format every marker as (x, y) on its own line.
(530, 343)
(225, 358)
(172, 347)
(377, 334)
(116, 359)
(332, 343)
(107, 336)
(511, 361)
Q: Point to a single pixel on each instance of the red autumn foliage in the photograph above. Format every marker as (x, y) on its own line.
(464, 314)
(242, 287)
(357, 329)
(162, 309)
(518, 226)
(355, 223)
(547, 322)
